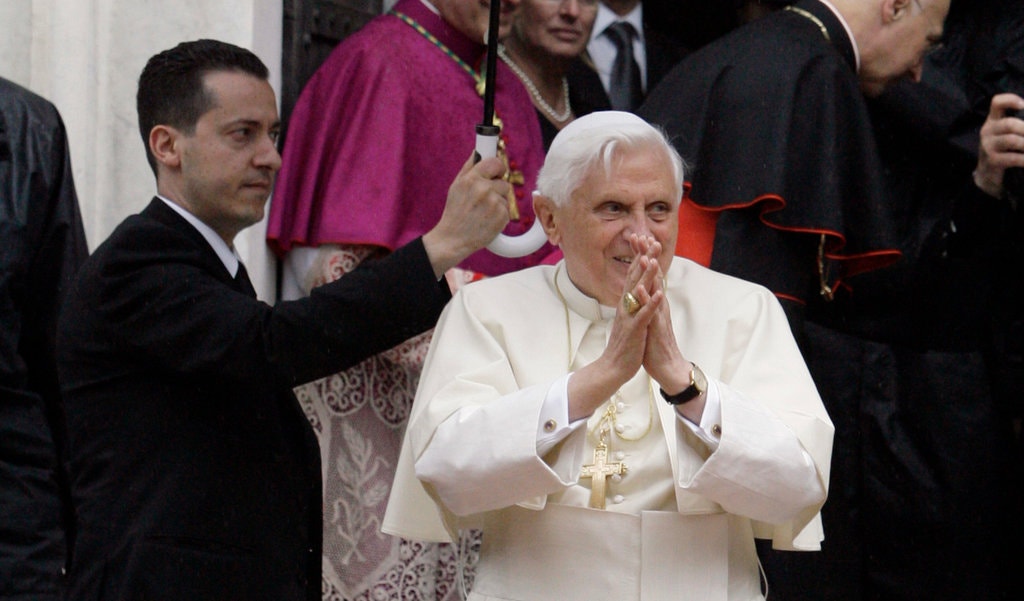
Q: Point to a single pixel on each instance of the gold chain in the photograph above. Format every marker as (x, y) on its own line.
(610, 423)
(803, 13)
(826, 291)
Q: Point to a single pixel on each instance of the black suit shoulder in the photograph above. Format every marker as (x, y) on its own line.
(194, 471)
(156, 287)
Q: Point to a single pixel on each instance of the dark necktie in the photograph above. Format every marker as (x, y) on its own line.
(242, 281)
(625, 90)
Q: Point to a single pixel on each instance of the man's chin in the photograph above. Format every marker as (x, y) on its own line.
(254, 214)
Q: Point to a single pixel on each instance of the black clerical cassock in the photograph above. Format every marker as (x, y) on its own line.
(773, 124)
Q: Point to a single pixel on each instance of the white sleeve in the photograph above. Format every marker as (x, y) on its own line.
(759, 468)
(484, 457)
(553, 426)
(710, 426)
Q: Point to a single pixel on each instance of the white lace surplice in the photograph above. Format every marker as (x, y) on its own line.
(359, 416)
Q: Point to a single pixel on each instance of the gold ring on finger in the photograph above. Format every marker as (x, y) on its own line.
(630, 303)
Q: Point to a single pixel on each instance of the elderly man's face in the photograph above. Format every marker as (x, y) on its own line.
(639, 196)
(914, 29)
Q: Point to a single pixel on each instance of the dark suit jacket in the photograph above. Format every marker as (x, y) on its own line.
(195, 474)
(43, 246)
(662, 54)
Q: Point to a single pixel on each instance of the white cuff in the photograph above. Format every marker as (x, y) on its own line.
(554, 426)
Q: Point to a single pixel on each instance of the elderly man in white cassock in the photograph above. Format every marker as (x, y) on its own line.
(623, 424)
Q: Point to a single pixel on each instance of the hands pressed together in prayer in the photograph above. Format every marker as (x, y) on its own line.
(640, 337)
(1002, 143)
(476, 211)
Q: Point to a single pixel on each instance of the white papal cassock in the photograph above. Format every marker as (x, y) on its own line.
(680, 524)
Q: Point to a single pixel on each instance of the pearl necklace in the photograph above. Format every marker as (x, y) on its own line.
(535, 93)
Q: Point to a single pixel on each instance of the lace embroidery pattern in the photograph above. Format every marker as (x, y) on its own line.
(359, 417)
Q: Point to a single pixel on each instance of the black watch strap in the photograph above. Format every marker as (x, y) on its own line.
(688, 394)
(698, 384)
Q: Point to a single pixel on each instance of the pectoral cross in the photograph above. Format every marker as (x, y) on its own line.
(598, 473)
(512, 176)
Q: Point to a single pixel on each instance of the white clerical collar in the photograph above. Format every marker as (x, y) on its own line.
(849, 32)
(577, 301)
(225, 253)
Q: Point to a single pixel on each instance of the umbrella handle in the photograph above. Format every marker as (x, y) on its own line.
(486, 142)
(510, 247)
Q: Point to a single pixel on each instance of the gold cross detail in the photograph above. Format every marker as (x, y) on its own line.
(512, 176)
(598, 473)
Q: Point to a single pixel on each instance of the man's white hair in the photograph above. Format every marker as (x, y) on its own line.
(599, 138)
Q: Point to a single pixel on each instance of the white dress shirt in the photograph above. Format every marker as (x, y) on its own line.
(602, 49)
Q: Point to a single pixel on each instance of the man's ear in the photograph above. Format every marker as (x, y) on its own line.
(165, 145)
(544, 209)
(894, 10)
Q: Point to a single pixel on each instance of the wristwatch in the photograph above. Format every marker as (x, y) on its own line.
(698, 385)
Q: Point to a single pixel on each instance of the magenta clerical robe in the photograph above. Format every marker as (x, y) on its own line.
(381, 130)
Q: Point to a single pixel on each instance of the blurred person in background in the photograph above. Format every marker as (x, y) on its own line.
(547, 36)
(43, 247)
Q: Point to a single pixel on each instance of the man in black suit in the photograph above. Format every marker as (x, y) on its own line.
(194, 473)
(624, 59)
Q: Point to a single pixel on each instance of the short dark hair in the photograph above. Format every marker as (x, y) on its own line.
(171, 90)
